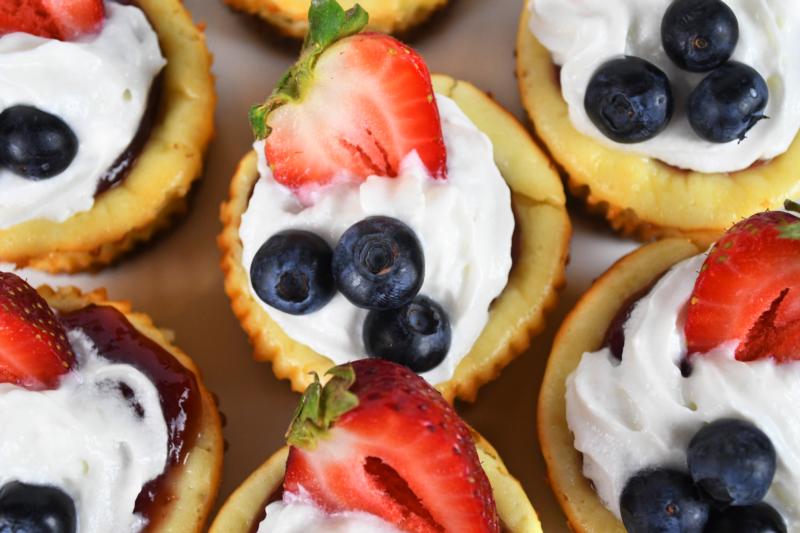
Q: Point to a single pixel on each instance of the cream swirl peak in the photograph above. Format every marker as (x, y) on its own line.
(98, 85)
(581, 36)
(296, 513)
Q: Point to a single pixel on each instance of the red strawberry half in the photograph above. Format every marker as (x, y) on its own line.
(353, 106)
(55, 19)
(749, 291)
(34, 351)
(378, 439)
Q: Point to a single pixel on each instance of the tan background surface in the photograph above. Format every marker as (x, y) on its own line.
(177, 280)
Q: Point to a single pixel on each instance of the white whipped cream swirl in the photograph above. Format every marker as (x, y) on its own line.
(99, 85)
(86, 439)
(642, 413)
(582, 35)
(465, 224)
(298, 514)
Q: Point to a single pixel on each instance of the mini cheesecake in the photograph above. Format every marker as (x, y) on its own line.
(640, 194)
(106, 343)
(146, 184)
(508, 217)
(245, 509)
(666, 384)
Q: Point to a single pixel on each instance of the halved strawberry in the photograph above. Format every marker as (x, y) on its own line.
(378, 439)
(749, 291)
(34, 351)
(354, 105)
(55, 19)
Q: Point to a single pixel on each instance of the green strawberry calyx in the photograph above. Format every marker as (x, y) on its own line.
(791, 231)
(328, 23)
(321, 406)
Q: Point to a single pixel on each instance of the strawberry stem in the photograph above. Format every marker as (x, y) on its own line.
(321, 406)
(328, 23)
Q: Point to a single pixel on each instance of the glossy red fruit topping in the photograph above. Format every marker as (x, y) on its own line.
(354, 105)
(749, 291)
(55, 19)
(378, 439)
(34, 351)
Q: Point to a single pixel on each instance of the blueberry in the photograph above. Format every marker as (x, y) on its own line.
(379, 264)
(35, 144)
(665, 501)
(759, 518)
(416, 335)
(699, 35)
(292, 272)
(629, 100)
(732, 461)
(727, 103)
(35, 509)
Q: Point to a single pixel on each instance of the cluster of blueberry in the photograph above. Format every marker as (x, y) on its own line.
(379, 265)
(630, 100)
(731, 467)
(35, 144)
(36, 508)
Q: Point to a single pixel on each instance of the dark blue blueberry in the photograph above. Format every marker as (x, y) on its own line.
(759, 518)
(416, 335)
(35, 509)
(379, 264)
(292, 272)
(34, 143)
(629, 100)
(732, 461)
(663, 501)
(699, 35)
(727, 103)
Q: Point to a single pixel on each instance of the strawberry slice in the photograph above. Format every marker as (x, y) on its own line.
(34, 351)
(378, 439)
(55, 19)
(749, 291)
(353, 106)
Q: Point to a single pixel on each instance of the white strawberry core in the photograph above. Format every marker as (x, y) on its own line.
(641, 412)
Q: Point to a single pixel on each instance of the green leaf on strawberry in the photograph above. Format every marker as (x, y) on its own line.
(393, 448)
(321, 406)
(328, 22)
(353, 106)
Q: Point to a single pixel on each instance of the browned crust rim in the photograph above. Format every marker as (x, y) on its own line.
(289, 20)
(155, 190)
(516, 316)
(245, 504)
(583, 331)
(198, 483)
(653, 200)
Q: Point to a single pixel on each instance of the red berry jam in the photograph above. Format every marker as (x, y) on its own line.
(118, 340)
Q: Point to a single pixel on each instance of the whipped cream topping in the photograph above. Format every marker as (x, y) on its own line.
(99, 85)
(583, 35)
(642, 413)
(465, 224)
(299, 514)
(87, 439)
